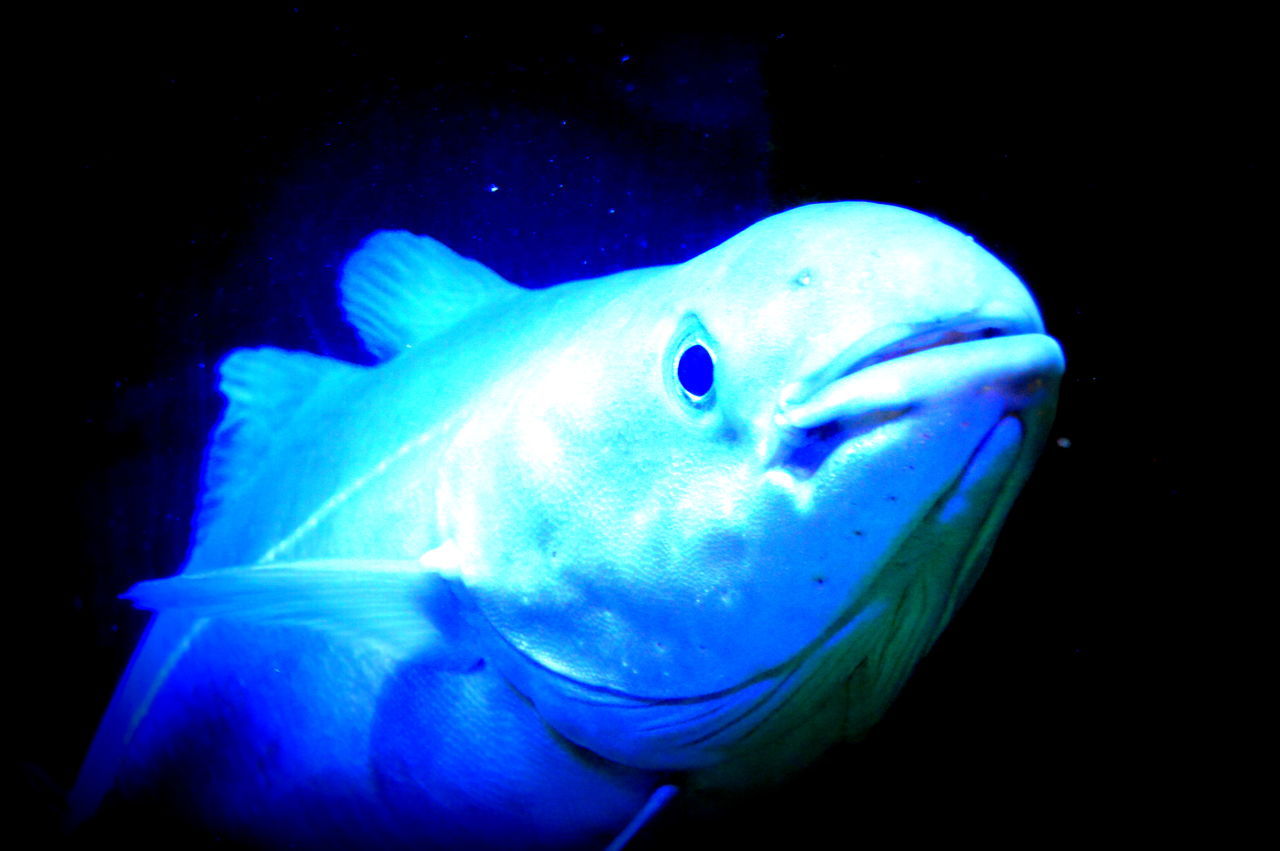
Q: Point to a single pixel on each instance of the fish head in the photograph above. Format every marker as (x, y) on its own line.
(709, 475)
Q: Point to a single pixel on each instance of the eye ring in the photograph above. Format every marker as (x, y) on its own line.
(690, 366)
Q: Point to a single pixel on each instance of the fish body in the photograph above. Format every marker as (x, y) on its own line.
(563, 553)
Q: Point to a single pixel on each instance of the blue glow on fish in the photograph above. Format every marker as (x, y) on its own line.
(563, 553)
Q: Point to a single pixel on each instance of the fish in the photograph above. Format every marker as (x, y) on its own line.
(565, 555)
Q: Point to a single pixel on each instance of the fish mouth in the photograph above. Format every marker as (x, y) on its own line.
(903, 368)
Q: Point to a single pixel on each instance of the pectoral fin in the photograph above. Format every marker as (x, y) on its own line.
(389, 604)
(405, 608)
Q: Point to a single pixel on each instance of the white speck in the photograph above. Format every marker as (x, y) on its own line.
(493, 187)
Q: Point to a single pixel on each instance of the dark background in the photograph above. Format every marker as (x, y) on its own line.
(208, 175)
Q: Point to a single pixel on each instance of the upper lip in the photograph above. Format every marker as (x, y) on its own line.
(896, 341)
(845, 397)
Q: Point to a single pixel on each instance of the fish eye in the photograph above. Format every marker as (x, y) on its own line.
(696, 370)
(689, 366)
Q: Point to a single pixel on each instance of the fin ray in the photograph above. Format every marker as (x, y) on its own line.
(383, 602)
(265, 389)
(399, 289)
(162, 644)
(656, 802)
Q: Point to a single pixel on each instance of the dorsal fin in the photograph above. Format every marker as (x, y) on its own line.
(399, 289)
(265, 388)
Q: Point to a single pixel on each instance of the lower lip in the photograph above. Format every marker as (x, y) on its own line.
(994, 457)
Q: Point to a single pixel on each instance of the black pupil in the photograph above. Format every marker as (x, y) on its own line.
(696, 371)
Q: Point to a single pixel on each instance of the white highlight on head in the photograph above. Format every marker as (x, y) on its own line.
(801, 491)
